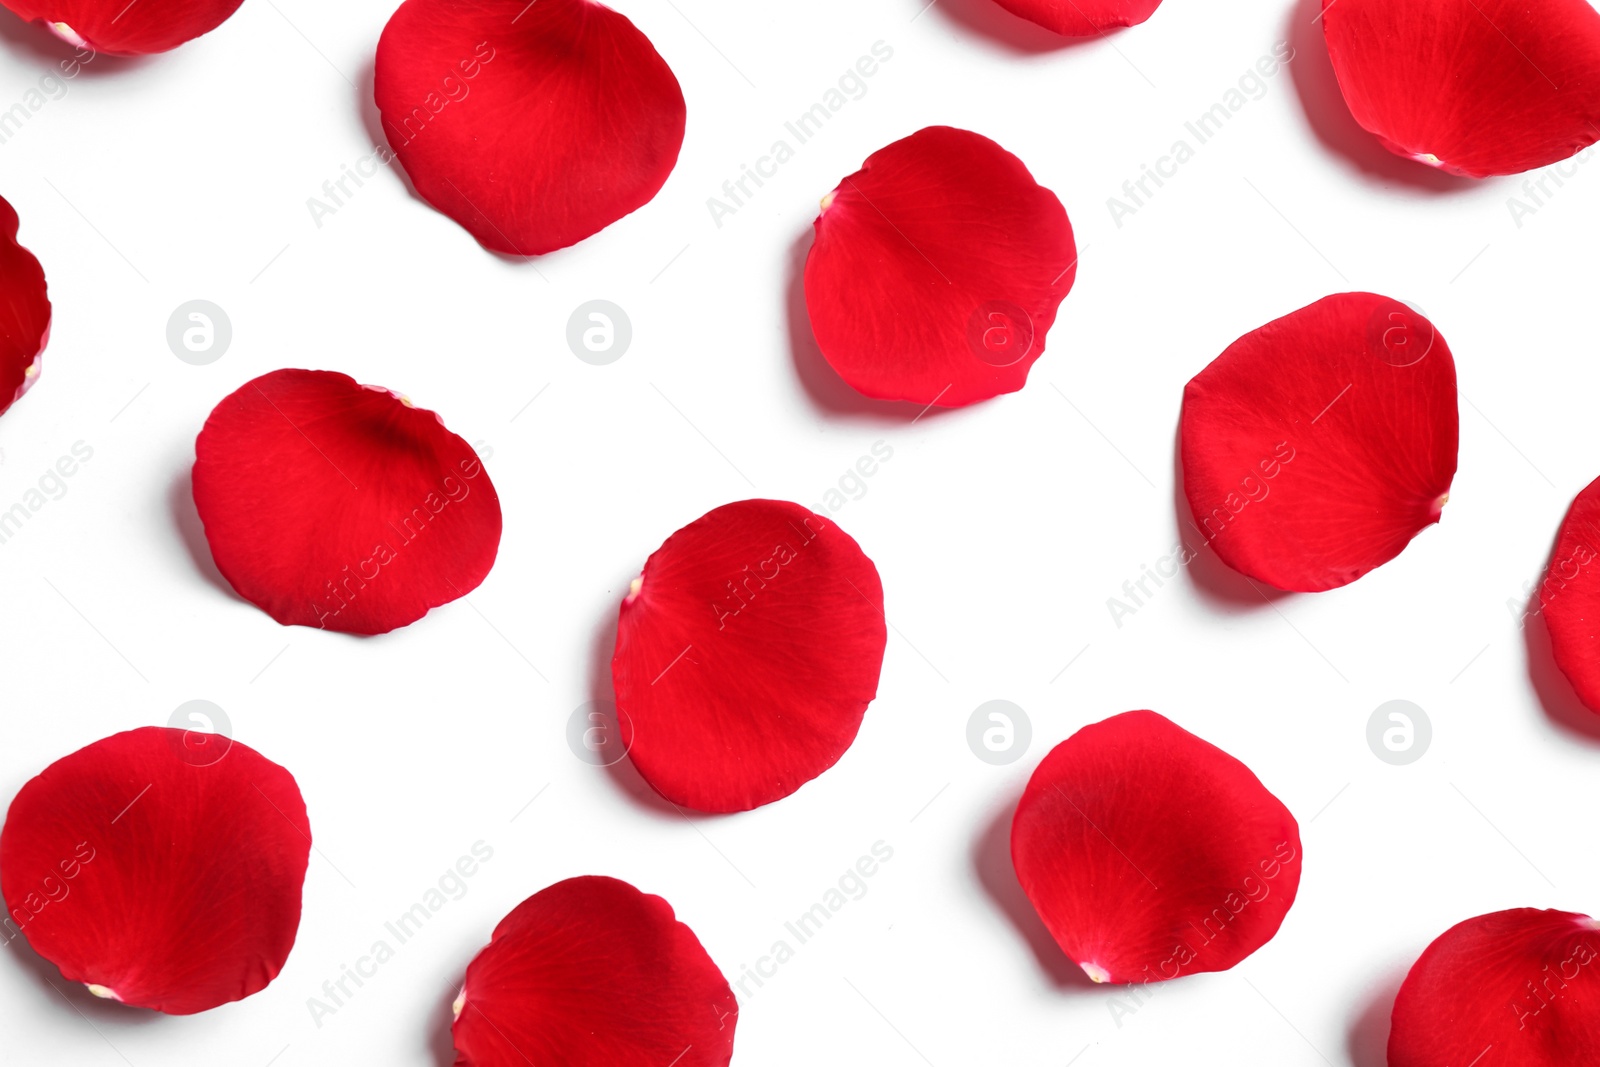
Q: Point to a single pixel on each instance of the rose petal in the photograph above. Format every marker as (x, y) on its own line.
(1516, 988)
(24, 313)
(118, 27)
(1151, 854)
(1082, 18)
(1569, 597)
(1317, 446)
(937, 270)
(532, 125)
(747, 653)
(1476, 87)
(332, 504)
(154, 877)
(593, 973)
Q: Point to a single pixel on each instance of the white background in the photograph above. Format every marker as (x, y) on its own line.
(1000, 530)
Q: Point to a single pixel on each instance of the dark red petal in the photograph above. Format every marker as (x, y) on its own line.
(937, 270)
(120, 28)
(1569, 596)
(1150, 854)
(593, 973)
(154, 877)
(1477, 87)
(24, 313)
(328, 503)
(1315, 448)
(532, 125)
(1082, 18)
(1517, 988)
(747, 653)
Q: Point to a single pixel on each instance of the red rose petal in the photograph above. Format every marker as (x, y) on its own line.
(156, 877)
(1082, 18)
(1517, 988)
(1569, 596)
(1151, 854)
(120, 28)
(593, 973)
(747, 653)
(1476, 87)
(937, 270)
(24, 312)
(532, 125)
(332, 504)
(1317, 446)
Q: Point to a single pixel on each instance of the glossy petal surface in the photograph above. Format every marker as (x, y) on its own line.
(1316, 447)
(1082, 18)
(532, 125)
(747, 654)
(157, 872)
(120, 28)
(337, 505)
(937, 270)
(1476, 87)
(1569, 596)
(24, 312)
(593, 973)
(1517, 988)
(1150, 854)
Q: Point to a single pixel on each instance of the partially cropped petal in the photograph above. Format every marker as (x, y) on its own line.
(1475, 87)
(1569, 596)
(533, 125)
(593, 973)
(119, 27)
(24, 313)
(1082, 18)
(1515, 988)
